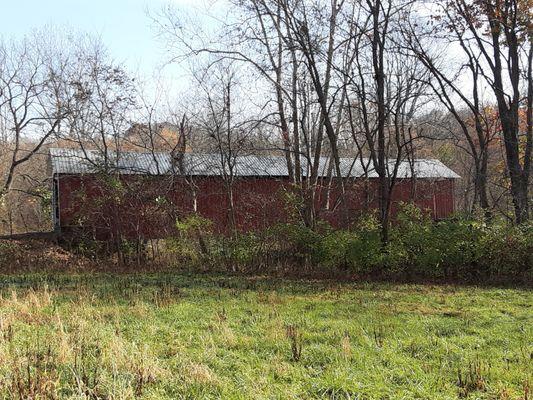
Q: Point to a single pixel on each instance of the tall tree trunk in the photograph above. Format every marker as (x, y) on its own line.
(379, 154)
(509, 111)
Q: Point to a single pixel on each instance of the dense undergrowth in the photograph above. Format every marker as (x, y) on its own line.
(419, 248)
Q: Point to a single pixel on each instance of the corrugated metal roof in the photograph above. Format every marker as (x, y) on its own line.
(72, 161)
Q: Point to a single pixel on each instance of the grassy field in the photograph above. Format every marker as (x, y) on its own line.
(196, 337)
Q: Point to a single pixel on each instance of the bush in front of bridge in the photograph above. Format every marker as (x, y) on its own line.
(457, 249)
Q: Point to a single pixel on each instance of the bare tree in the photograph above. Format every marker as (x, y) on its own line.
(495, 39)
(385, 89)
(102, 98)
(458, 87)
(31, 110)
(338, 73)
(262, 40)
(225, 126)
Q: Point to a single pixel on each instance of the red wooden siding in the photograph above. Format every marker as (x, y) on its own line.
(259, 202)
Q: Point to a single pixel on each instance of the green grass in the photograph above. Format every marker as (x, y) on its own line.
(195, 337)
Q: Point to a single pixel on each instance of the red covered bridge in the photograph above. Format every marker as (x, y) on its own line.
(143, 194)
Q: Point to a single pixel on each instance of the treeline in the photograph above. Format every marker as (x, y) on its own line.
(381, 81)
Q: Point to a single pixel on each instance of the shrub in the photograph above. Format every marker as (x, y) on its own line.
(419, 248)
(8, 252)
(358, 249)
(507, 250)
(238, 252)
(191, 244)
(88, 247)
(297, 242)
(434, 249)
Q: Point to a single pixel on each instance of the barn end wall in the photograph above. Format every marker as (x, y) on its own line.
(149, 206)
